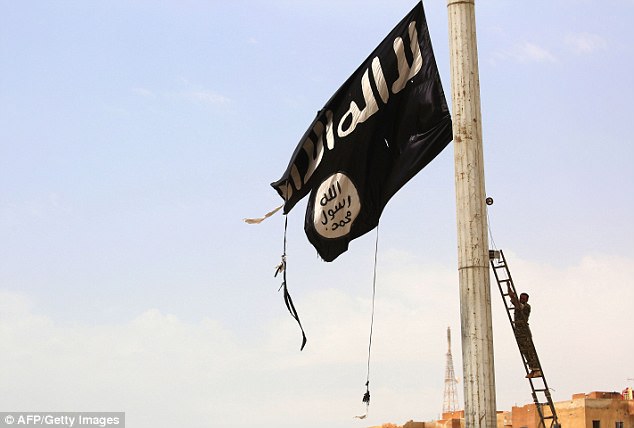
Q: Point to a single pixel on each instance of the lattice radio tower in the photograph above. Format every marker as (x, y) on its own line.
(450, 403)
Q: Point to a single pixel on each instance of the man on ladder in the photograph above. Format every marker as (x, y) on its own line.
(519, 321)
(522, 311)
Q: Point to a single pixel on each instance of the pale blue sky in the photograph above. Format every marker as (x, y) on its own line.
(136, 135)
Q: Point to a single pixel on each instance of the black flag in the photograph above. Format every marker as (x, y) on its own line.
(385, 123)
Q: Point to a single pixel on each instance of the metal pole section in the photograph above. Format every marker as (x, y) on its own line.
(473, 251)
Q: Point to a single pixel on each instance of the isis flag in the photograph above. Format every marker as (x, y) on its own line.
(385, 123)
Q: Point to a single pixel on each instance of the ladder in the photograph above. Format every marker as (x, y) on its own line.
(541, 392)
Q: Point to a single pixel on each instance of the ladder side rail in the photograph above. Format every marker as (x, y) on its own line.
(538, 405)
(504, 294)
(509, 280)
(508, 310)
(510, 283)
(551, 404)
(543, 416)
(549, 400)
(546, 390)
(520, 315)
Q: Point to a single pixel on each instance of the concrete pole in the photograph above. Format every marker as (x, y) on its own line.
(473, 251)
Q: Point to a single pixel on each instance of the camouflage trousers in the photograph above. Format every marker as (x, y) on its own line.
(527, 348)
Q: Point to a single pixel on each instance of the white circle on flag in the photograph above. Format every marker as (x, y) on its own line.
(336, 206)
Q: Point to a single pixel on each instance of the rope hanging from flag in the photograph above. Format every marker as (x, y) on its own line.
(366, 396)
(281, 268)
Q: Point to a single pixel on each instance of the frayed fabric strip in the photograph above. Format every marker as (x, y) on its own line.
(261, 219)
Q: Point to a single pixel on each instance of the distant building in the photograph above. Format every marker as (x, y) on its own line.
(594, 410)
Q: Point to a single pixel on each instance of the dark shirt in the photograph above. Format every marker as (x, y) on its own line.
(522, 312)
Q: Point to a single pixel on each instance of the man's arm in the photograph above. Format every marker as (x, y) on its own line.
(513, 296)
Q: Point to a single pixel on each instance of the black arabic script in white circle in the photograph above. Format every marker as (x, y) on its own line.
(337, 205)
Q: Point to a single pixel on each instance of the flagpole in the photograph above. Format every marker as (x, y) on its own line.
(473, 251)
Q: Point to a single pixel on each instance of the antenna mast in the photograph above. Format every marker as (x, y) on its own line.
(450, 402)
